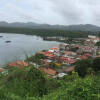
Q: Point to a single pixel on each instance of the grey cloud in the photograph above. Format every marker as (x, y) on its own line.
(51, 11)
(78, 11)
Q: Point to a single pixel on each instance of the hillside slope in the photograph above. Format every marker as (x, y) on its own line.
(32, 25)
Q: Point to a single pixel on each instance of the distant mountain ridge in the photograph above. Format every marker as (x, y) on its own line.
(32, 25)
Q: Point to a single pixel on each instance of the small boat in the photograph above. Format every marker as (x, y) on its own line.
(1, 36)
(7, 41)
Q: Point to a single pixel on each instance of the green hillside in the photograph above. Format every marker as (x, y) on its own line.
(46, 32)
(31, 84)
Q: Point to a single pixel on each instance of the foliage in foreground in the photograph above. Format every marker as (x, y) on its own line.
(31, 84)
(87, 67)
(26, 82)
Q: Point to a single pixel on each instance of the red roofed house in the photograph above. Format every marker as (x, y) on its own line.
(55, 49)
(88, 55)
(70, 69)
(87, 49)
(46, 62)
(48, 54)
(70, 61)
(83, 57)
(49, 71)
(19, 64)
(1, 69)
(68, 52)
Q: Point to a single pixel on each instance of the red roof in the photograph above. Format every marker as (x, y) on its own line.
(68, 60)
(46, 62)
(71, 61)
(48, 54)
(49, 71)
(68, 52)
(1, 69)
(70, 69)
(88, 54)
(19, 64)
(83, 57)
(63, 58)
(78, 46)
(55, 48)
(87, 48)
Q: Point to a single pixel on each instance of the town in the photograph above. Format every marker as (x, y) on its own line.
(59, 61)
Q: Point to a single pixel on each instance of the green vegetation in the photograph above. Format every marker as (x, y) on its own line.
(36, 58)
(98, 44)
(96, 64)
(53, 65)
(45, 32)
(83, 67)
(32, 84)
(87, 67)
(79, 89)
(28, 82)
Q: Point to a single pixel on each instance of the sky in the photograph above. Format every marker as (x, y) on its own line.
(63, 12)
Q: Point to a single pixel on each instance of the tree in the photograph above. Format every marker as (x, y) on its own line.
(36, 58)
(26, 82)
(98, 44)
(96, 64)
(53, 65)
(82, 67)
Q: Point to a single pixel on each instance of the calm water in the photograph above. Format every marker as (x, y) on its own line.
(20, 46)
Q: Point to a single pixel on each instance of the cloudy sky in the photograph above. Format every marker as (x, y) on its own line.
(64, 12)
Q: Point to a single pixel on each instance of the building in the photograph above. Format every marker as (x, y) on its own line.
(50, 72)
(19, 64)
(1, 69)
(91, 36)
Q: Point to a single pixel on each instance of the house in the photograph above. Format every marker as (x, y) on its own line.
(83, 57)
(60, 75)
(19, 64)
(67, 60)
(49, 71)
(91, 36)
(46, 62)
(70, 53)
(48, 54)
(55, 49)
(1, 69)
(96, 40)
(88, 55)
(63, 46)
(87, 49)
(70, 69)
(71, 61)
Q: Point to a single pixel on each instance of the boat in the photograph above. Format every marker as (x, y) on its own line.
(7, 41)
(1, 36)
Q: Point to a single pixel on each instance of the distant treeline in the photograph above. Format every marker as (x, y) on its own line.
(45, 32)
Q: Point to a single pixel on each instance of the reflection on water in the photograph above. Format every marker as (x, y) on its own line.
(20, 45)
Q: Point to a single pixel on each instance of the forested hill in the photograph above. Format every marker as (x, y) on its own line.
(46, 32)
(32, 25)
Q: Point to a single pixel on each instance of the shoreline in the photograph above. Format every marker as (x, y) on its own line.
(60, 59)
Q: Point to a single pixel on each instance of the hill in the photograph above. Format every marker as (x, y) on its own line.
(32, 25)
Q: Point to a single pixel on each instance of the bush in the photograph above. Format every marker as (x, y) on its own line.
(82, 67)
(96, 64)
